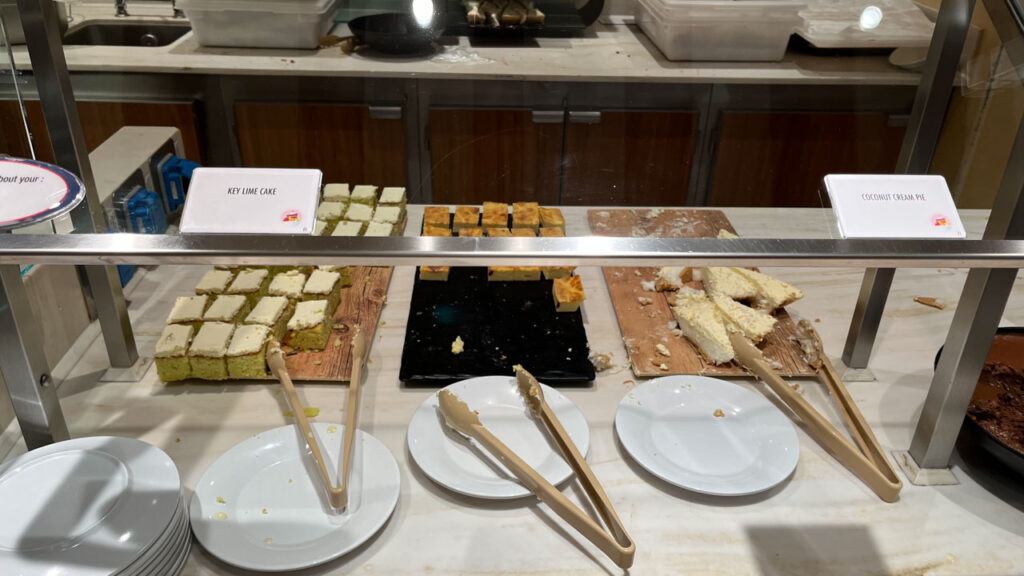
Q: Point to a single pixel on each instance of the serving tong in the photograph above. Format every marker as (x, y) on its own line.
(337, 495)
(866, 460)
(615, 542)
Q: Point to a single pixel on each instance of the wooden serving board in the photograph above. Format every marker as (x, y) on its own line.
(645, 325)
(360, 305)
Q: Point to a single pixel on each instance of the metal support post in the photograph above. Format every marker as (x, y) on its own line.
(919, 145)
(24, 365)
(43, 37)
(974, 324)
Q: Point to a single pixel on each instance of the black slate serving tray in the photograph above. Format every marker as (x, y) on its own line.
(501, 323)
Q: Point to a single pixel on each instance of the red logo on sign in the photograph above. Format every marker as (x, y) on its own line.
(940, 220)
(291, 216)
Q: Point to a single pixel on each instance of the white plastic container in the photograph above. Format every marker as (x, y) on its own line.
(733, 30)
(260, 23)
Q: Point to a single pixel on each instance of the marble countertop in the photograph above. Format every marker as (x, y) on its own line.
(821, 521)
(607, 53)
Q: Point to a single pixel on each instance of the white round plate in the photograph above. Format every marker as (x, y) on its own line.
(462, 466)
(156, 553)
(172, 555)
(669, 426)
(156, 558)
(261, 505)
(85, 506)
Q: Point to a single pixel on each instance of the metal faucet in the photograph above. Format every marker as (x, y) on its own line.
(121, 8)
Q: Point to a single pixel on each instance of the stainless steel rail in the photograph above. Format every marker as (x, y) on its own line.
(580, 251)
(919, 144)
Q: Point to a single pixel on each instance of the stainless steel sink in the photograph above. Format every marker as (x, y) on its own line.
(126, 34)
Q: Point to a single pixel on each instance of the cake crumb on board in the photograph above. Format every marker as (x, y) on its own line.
(929, 301)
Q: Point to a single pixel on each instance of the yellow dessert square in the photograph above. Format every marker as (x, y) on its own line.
(498, 232)
(189, 310)
(552, 272)
(434, 273)
(501, 273)
(495, 215)
(552, 218)
(475, 232)
(437, 216)
(527, 273)
(436, 231)
(525, 215)
(524, 232)
(568, 293)
(466, 217)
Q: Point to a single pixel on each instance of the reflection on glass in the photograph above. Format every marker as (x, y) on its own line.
(423, 11)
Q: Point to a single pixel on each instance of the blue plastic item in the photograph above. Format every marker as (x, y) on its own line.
(176, 173)
(146, 213)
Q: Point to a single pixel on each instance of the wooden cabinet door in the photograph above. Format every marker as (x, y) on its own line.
(341, 140)
(779, 159)
(494, 154)
(100, 120)
(630, 158)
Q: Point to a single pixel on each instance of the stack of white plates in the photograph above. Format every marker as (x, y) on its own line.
(93, 506)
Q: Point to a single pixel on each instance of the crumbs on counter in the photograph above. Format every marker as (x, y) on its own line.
(719, 413)
(929, 301)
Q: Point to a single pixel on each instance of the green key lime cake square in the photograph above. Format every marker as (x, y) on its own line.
(247, 354)
(206, 354)
(171, 354)
(310, 327)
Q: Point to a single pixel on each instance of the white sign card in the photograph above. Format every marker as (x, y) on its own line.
(251, 201)
(32, 191)
(893, 206)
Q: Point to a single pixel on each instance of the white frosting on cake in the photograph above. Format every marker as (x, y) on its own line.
(187, 309)
(378, 229)
(336, 192)
(174, 341)
(212, 340)
(346, 228)
(359, 213)
(214, 281)
(388, 214)
(248, 281)
(319, 227)
(248, 339)
(267, 311)
(330, 210)
(308, 315)
(321, 282)
(363, 193)
(392, 195)
(225, 308)
(287, 284)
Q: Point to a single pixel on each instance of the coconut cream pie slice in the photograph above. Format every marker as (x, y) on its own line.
(754, 324)
(702, 324)
(727, 282)
(771, 293)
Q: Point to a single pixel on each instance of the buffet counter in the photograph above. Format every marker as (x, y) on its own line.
(605, 53)
(821, 520)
